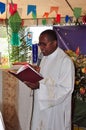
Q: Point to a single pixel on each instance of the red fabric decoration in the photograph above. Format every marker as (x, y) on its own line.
(12, 8)
(84, 19)
(58, 18)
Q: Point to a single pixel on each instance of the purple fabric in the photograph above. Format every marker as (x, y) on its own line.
(72, 37)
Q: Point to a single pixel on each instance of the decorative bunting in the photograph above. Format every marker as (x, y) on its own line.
(67, 18)
(54, 9)
(32, 8)
(44, 21)
(46, 14)
(34, 15)
(58, 18)
(84, 19)
(77, 12)
(12, 8)
(2, 7)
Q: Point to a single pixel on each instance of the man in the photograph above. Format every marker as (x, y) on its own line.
(52, 95)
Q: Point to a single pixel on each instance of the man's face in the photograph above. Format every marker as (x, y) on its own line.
(47, 47)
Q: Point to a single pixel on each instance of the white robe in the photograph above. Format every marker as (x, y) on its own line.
(52, 102)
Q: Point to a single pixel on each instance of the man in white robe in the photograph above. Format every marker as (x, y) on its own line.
(53, 94)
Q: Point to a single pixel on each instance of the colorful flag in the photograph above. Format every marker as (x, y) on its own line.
(32, 9)
(2, 7)
(58, 18)
(45, 15)
(53, 8)
(77, 12)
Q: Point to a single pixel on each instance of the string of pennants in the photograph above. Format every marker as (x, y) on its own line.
(32, 9)
(15, 21)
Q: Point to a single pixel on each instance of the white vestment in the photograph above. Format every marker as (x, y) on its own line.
(52, 101)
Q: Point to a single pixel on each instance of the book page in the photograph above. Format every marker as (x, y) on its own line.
(34, 70)
(25, 67)
(22, 68)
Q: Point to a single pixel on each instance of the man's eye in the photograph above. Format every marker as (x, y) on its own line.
(42, 44)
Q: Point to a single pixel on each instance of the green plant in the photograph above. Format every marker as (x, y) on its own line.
(20, 53)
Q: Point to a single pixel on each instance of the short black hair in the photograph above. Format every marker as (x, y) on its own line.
(51, 34)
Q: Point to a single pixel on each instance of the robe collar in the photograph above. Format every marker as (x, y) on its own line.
(52, 54)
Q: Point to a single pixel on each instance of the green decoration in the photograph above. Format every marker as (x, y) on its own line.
(77, 12)
(15, 22)
(34, 15)
(20, 53)
(15, 25)
(44, 21)
(15, 41)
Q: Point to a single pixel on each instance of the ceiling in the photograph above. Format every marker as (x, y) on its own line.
(43, 6)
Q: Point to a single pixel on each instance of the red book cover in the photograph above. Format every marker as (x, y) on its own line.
(27, 73)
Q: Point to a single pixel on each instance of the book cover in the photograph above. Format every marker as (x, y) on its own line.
(27, 73)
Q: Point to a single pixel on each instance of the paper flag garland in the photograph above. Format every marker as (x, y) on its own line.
(34, 15)
(2, 7)
(32, 9)
(58, 18)
(53, 8)
(44, 21)
(84, 19)
(77, 12)
(45, 15)
(67, 18)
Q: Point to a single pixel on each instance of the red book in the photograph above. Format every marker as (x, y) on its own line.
(27, 73)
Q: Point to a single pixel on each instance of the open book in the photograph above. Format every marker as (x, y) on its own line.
(27, 73)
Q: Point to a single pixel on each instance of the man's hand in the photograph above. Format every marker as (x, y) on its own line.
(37, 68)
(32, 85)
